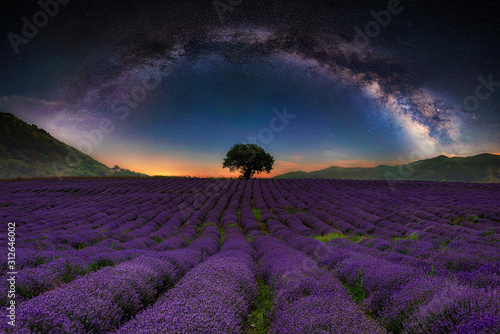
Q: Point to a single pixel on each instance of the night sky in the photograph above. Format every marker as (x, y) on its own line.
(167, 87)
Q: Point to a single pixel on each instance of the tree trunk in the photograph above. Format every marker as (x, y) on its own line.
(247, 173)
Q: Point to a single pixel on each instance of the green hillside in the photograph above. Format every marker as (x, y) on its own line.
(480, 168)
(27, 151)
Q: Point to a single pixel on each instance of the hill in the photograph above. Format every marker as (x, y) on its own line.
(480, 168)
(27, 151)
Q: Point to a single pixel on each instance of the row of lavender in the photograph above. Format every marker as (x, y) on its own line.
(445, 244)
(101, 301)
(292, 212)
(41, 274)
(421, 288)
(125, 289)
(45, 270)
(108, 217)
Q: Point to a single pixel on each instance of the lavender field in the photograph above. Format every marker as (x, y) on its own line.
(188, 255)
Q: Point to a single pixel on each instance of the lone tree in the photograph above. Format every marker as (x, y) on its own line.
(248, 159)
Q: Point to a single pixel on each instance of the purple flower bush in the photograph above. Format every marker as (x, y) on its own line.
(214, 297)
(307, 299)
(31, 282)
(458, 310)
(97, 302)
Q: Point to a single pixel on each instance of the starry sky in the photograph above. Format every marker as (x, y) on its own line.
(167, 87)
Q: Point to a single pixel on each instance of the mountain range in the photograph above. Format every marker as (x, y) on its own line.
(27, 151)
(475, 169)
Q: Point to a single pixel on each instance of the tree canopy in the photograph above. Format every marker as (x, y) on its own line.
(248, 159)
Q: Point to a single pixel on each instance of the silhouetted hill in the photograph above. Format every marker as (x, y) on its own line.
(480, 168)
(27, 151)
